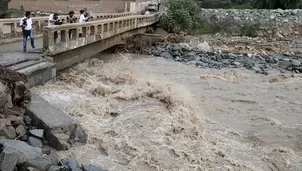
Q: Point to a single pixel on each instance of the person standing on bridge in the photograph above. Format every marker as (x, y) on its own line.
(26, 24)
(86, 15)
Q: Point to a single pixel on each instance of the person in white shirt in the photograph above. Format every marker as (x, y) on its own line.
(26, 24)
(82, 17)
(53, 18)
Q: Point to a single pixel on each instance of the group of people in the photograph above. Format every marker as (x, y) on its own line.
(54, 19)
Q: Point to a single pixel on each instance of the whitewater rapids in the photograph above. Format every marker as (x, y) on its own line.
(143, 113)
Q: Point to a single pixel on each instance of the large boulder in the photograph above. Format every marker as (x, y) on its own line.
(72, 164)
(16, 152)
(24, 151)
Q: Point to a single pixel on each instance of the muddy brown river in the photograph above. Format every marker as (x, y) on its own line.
(146, 113)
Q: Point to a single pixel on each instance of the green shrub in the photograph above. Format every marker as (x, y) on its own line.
(180, 15)
(250, 30)
(203, 27)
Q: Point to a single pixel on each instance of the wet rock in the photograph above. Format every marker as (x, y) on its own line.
(37, 132)
(59, 168)
(24, 137)
(35, 142)
(92, 168)
(296, 62)
(166, 55)
(72, 164)
(285, 64)
(256, 69)
(39, 163)
(24, 151)
(78, 134)
(237, 64)
(203, 47)
(9, 158)
(20, 130)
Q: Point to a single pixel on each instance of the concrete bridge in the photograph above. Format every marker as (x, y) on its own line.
(54, 53)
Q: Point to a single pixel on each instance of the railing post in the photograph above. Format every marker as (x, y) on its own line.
(1, 29)
(14, 29)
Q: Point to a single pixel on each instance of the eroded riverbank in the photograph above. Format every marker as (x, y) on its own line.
(146, 113)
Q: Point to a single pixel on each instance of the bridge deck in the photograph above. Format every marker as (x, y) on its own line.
(12, 54)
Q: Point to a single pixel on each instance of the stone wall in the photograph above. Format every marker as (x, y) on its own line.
(281, 22)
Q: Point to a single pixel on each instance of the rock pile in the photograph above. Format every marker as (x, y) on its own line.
(202, 57)
(21, 142)
(18, 155)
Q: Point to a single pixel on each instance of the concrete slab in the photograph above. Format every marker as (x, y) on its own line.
(51, 116)
(24, 64)
(18, 46)
(9, 59)
(58, 125)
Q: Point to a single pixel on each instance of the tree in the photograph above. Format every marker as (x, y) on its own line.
(274, 4)
(180, 15)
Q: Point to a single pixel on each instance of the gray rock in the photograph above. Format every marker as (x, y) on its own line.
(20, 130)
(236, 63)
(24, 137)
(35, 142)
(192, 62)
(8, 132)
(203, 47)
(27, 120)
(78, 134)
(197, 58)
(16, 120)
(39, 163)
(296, 62)
(166, 55)
(92, 168)
(232, 56)
(72, 164)
(37, 132)
(11, 132)
(24, 151)
(176, 48)
(184, 45)
(256, 69)
(285, 64)
(9, 159)
(58, 168)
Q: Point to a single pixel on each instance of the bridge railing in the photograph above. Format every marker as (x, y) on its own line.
(57, 39)
(9, 28)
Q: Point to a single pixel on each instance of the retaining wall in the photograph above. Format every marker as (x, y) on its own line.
(272, 22)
